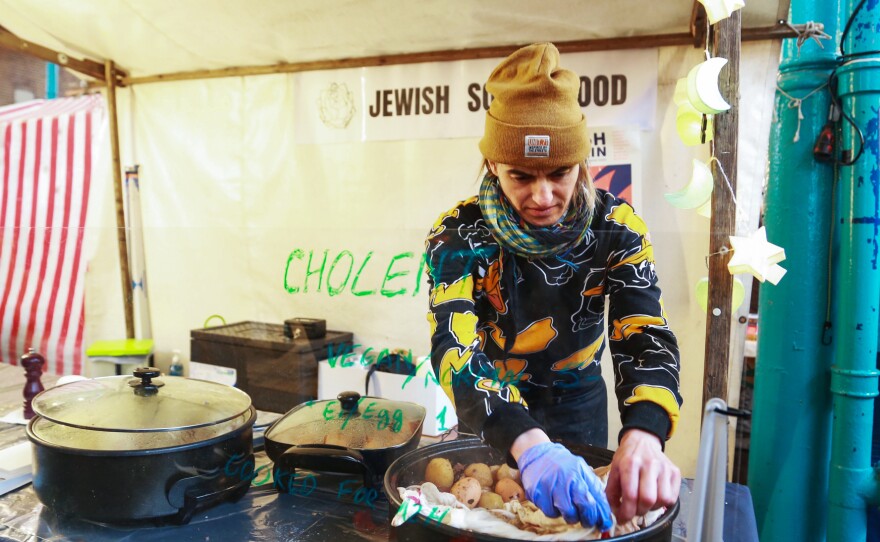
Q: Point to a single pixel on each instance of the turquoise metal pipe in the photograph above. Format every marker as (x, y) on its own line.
(791, 420)
(52, 77)
(853, 485)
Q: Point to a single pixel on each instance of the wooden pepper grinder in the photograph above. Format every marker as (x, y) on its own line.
(33, 366)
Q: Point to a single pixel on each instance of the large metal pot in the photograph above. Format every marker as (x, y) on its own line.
(410, 470)
(118, 449)
(352, 434)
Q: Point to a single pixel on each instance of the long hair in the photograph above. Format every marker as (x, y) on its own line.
(585, 195)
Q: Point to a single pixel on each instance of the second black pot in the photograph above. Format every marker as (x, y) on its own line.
(352, 434)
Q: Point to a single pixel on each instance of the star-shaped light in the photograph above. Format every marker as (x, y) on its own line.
(755, 255)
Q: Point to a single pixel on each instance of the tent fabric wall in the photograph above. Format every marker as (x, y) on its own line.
(50, 151)
(228, 198)
(148, 37)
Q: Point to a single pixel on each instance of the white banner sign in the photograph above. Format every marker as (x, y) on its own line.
(447, 99)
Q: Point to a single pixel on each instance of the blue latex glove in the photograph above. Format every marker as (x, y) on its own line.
(558, 481)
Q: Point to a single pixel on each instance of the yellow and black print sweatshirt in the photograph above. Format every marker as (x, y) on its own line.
(554, 307)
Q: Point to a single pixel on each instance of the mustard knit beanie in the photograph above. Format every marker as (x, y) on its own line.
(534, 120)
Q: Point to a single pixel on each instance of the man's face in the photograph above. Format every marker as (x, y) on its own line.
(540, 196)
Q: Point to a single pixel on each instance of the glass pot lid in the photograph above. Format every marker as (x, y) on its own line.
(144, 403)
(79, 439)
(352, 421)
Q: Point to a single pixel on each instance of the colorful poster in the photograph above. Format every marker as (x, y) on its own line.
(615, 162)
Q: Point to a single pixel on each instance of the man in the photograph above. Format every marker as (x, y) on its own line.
(519, 277)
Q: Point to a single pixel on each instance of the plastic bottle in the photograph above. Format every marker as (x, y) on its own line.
(176, 365)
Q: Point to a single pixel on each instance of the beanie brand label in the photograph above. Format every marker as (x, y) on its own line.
(537, 146)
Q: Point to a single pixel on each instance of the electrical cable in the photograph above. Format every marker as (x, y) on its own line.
(832, 80)
(835, 99)
(849, 23)
(827, 334)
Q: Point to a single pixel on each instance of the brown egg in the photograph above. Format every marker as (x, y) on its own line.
(467, 491)
(481, 472)
(439, 472)
(491, 501)
(509, 490)
(506, 472)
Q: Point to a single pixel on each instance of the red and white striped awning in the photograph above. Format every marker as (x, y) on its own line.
(46, 160)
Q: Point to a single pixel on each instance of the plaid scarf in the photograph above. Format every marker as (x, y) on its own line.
(517, 236)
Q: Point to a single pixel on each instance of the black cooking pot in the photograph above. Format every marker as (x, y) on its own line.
(352, 434)
(119, 450)
(410, 470)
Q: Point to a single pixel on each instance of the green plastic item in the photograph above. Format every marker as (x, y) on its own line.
(120, 348)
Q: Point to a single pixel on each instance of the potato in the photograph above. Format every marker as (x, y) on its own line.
(467, 491)
(506, 472)
(491, 501)
(439, 472)
(509, 490)
(602, 471)
(481, 472)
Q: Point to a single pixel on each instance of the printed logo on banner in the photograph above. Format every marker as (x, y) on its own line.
(537, 146)
(336, 106)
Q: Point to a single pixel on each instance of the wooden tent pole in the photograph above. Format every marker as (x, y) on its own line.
(726, 44)
(604, 44)
(110, 81)
(86, 66)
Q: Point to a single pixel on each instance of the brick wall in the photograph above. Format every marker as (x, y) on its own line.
(26, 73)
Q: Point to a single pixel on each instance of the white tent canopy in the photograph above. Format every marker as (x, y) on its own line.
(228, 193)
(149, 37)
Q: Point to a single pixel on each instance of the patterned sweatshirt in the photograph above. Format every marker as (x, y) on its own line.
(555, 310)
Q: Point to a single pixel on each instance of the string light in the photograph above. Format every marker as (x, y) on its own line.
(697, 191)
(717, 10)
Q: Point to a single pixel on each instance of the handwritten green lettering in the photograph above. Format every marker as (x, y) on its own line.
(441, 417)
(297, 253)
(319, 272)
(383, 420)
(432, 515)
(391, 276)
(328, 411)
(365, 360)
(358, 276)
(336, 290)
(367, 415)
(413, 374)
(333, 356)
(346, 360)
(423, 263)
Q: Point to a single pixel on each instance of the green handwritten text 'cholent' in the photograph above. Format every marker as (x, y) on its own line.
(317, 272)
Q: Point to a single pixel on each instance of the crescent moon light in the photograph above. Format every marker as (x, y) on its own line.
(702, 87)
(689, 125)
(705, 209)
(697, 191)
(701, 291)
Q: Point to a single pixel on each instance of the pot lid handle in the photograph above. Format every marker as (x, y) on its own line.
(146, 386)
(349, 400)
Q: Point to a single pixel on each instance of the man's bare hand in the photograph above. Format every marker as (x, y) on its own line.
(642, 478)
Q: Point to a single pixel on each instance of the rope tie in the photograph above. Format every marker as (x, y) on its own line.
(794, 102)
(809, 30)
